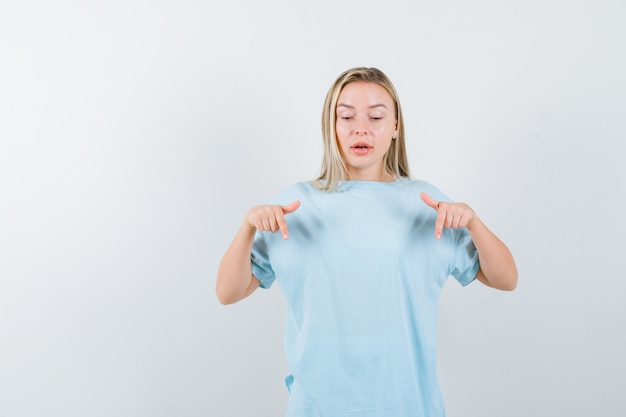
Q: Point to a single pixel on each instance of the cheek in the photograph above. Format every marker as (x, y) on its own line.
(341, 132)
(386, 130)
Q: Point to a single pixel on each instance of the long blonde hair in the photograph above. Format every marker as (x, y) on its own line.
(333, 169)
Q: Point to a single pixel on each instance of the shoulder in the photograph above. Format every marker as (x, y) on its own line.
(298, 191)
(418, 186)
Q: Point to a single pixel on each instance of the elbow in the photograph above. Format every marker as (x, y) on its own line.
(224, 290)
(224, 295)
(507, 280)
(510, 283)
(225, 298)
(509, 286)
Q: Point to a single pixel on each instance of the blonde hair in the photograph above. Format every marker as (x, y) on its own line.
(333, 168)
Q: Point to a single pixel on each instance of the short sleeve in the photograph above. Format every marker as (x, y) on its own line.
(466, 263)
(261, 267)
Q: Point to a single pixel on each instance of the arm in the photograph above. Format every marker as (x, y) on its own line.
(497, 266)
(235, 280)
(234, 276)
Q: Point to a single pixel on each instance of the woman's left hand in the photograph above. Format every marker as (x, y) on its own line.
(451, 215)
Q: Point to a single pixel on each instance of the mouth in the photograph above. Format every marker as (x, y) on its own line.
(361, 145)
(361, 148)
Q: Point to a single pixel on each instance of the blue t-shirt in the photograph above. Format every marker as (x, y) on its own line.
(361, 273)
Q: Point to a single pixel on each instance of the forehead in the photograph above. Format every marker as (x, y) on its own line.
(364, 93)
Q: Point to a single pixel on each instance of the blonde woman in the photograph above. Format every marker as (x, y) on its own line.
(361, 254)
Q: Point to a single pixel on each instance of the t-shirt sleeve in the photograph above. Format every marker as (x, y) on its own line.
(261, 266)
(466, 258)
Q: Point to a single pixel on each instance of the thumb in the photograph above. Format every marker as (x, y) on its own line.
(429, 201)
(290, 208)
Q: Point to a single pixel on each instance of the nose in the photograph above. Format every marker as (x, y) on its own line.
(361, 129)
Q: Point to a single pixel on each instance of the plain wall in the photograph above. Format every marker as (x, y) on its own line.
(134, 136)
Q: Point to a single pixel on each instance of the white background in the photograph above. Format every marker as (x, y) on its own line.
(134, 136)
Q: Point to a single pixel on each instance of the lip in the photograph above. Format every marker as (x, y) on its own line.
(360, 145)
(361, 148)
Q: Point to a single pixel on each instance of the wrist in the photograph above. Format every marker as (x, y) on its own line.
(472, 223)
(247, 228)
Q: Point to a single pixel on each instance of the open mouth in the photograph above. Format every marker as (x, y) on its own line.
(361, 148)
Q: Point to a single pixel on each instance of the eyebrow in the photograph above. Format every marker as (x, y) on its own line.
(352, 107)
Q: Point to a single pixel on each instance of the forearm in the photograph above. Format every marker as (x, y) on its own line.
(497, 266)
(234, 276)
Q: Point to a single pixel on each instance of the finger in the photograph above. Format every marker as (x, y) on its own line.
(467, 220)
(290, 208)
(462, 221)
(455, 222)
(429, 201)
(265, 224)
(273, 223)
(449, 221)
(282, 225)
(441, 218)
(280, 217)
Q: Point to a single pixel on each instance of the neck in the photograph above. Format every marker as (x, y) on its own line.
(381, 176)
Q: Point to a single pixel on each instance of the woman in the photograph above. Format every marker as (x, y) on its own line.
(362, 255)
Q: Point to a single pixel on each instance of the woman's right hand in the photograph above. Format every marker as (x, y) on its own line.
(271, 218)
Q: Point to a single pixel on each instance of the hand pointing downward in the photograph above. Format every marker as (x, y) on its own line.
(271, 218)
(451, 215)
